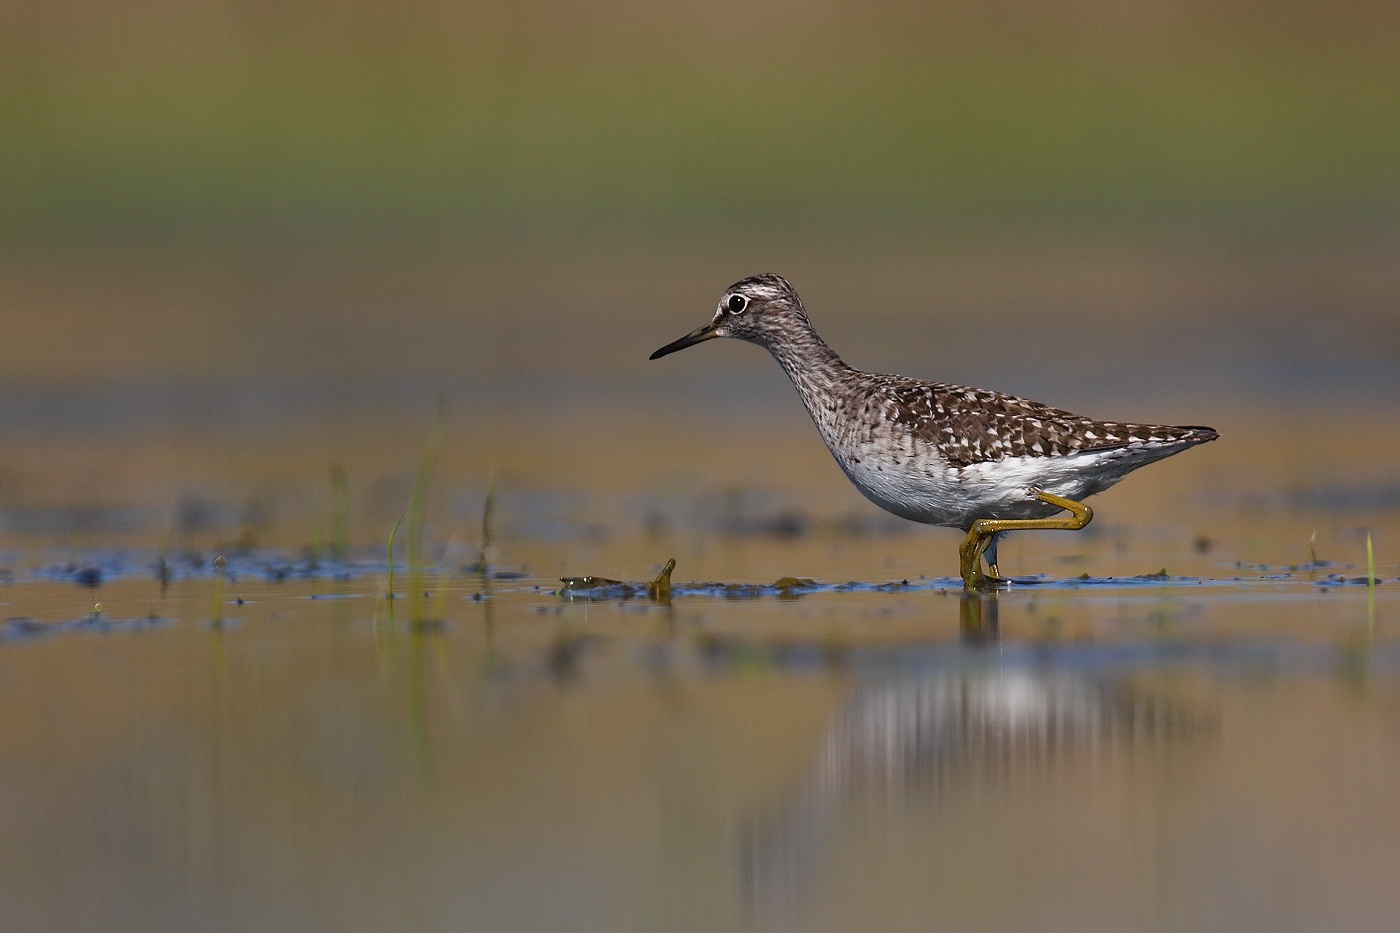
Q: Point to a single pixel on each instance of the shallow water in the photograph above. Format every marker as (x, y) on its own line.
(1215, 749)
(1186, 717)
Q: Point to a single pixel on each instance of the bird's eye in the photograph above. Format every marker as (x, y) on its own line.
(736, 304)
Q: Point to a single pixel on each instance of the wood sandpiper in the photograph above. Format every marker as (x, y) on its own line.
(980, 461)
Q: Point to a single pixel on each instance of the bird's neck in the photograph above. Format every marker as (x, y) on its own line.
(813, 367)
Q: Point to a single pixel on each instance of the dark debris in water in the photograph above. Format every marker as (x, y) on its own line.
(1336, 579)
(19, 628)
(103, 566)
(603, 588)
(593, 584)
(661, 589)
(591, 587)
(88, 576)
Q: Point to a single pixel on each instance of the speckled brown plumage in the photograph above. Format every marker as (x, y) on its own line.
(928, 451)
(970, 426)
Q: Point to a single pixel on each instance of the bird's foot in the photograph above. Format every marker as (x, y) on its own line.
(980, 540)
(990, 581)
(975, 579)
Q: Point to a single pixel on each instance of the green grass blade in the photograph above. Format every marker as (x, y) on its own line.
(486, 511)
(393, 532)
(1370, 563)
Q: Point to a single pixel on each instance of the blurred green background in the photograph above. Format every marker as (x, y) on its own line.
(244, 224)
(218, 173)
(151, 119)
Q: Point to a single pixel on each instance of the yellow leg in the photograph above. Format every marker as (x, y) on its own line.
(980, 535)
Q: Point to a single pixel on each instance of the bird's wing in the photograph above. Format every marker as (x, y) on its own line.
(969, 425)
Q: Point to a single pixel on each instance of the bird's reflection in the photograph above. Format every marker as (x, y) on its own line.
(979, 717)
(979, 622)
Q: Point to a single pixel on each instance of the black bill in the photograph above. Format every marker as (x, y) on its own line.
(699, 335)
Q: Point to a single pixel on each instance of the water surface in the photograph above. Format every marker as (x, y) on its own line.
(1194, 752)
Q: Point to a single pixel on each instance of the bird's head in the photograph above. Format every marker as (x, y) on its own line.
(761, 309)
